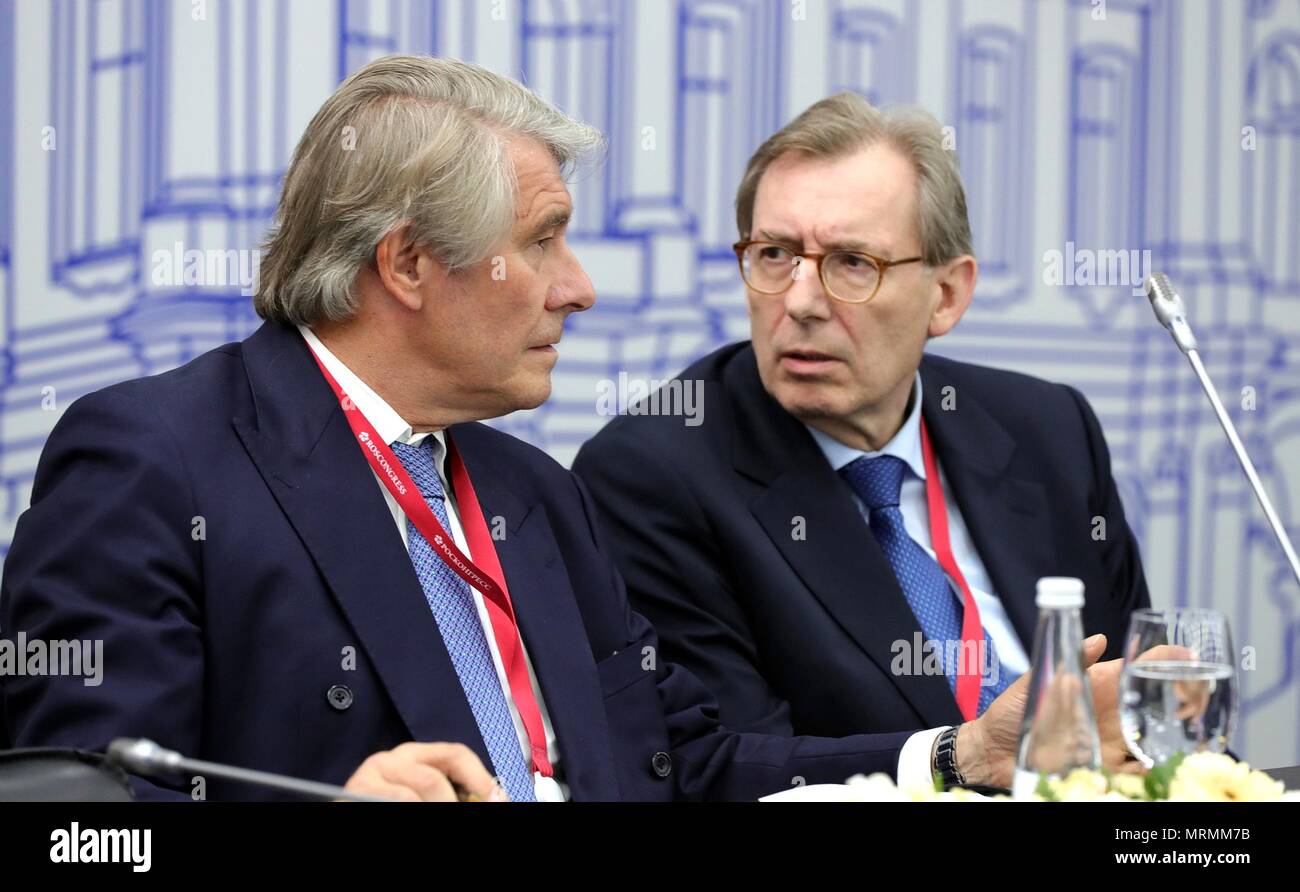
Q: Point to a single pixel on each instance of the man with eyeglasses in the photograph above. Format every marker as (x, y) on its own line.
(850, 539)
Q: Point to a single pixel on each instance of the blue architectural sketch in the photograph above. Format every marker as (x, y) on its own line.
(991, 117)
(1085, 130)
(869, 49)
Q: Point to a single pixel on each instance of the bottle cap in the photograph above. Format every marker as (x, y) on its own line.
(1059, 593)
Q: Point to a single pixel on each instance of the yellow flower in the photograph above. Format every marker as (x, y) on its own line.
(960, 794)
(1130, 786)
(1217, 777)
(878, 787)
(1080, 785)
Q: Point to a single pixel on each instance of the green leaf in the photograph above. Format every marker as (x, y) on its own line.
(1161, 776)
(1044, 789)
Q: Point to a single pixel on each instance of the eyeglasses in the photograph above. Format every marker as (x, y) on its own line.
(850, 277)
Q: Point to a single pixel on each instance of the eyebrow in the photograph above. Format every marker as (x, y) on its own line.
(554, 219)
(854, 245)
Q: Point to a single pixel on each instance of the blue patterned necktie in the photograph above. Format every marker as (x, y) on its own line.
(453, 608)
(934, 601)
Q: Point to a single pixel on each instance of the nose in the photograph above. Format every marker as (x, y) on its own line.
(805, 299)
(572, 290)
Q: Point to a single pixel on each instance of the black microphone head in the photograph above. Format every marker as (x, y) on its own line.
(140, 756)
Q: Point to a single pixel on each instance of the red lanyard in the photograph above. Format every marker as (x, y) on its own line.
(972, 631)
(497, 598)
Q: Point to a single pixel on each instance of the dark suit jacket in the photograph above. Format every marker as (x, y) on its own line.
(795, 636)
(219, 529)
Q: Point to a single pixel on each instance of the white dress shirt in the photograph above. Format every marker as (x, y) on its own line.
(914, 760)
(391, 427)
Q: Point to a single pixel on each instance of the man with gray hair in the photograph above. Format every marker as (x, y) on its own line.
(850, 541)
(305, 555)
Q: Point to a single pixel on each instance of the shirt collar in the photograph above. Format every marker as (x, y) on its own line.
(390, 426)
(906, 444)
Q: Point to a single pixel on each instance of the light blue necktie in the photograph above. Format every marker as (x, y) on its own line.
(453, 607)
(936, 604)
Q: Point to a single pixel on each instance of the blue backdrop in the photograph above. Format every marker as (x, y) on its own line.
(1098, 140)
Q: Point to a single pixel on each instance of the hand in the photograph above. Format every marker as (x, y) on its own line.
(425, 772)
(986, 746)
(1193, 697)
(1115, 754)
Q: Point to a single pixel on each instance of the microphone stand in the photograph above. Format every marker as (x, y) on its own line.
(1171, 312)
(148, 759)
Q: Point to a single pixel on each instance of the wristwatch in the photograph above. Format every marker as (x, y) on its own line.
(945, 759)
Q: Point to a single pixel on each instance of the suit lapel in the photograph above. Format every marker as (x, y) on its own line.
(1005, 515)
(549, 621)
(838, 560)
(304, 449)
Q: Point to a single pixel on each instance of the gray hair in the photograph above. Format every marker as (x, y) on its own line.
(845, 123)
(405, 141)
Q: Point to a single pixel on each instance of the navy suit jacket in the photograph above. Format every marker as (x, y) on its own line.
(797, 635)
(218, 528)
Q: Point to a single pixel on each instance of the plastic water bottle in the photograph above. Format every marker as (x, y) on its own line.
(1059, 731)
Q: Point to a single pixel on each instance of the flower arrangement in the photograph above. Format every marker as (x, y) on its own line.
(1199, 777)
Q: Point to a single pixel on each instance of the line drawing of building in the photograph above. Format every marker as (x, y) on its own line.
(1169, 126)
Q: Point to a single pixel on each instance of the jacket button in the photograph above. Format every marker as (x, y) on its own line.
(662, 764)
(339, 696)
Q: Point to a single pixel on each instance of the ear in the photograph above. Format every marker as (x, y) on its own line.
(404, 269)
(955, 282)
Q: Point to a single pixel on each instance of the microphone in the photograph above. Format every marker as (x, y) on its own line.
(1172, 314)
(148, 759)
(1170, 311)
